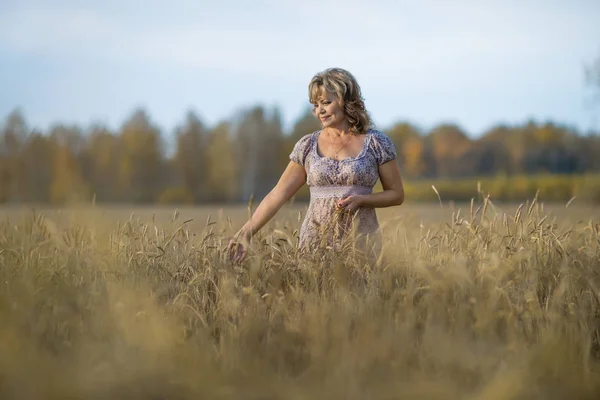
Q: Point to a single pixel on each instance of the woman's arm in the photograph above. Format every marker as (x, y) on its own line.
(392, 194)
(292, 179)
(393, 189)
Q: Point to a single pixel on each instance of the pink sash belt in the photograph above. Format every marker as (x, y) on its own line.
(327, 192)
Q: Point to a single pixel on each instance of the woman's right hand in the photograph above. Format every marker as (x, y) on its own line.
(237, 250)
(291, 180)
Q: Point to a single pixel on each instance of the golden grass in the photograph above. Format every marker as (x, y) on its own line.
(476, 303)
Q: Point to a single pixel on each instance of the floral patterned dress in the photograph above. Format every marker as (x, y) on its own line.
(329, 181)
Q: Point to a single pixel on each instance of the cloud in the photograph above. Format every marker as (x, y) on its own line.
(379, 39)
(49, 31)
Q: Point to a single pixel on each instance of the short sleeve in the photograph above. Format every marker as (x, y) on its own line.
(382, 147)
(301, 149)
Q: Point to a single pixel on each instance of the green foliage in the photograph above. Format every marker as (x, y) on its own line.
(191, 158)
(223, 174)
(246, 156)
(548, 188)
(176, 195)
(141, 161)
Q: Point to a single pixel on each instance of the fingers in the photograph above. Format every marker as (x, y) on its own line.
(231, 247)
(346, 204)
(241, 255)
(236, 251)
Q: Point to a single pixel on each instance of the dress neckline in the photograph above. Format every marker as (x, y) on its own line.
(361, 154)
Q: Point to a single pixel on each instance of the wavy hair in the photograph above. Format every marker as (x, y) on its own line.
(344, 86)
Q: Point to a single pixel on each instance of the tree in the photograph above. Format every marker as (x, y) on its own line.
(141, 164)
(68, 184)
(494, 151)
(448, 144)
(12, 172)
(552, 152)
(592, 73)
(222, 176)
(410, 148)
(38, 158)
(190, 155)
(101, 158)
(259, 144)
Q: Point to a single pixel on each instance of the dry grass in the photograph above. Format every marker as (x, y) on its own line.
(477, 304)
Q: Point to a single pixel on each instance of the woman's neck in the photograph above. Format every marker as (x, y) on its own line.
(340, 130)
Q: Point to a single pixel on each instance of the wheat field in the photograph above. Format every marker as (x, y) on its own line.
(470, 301)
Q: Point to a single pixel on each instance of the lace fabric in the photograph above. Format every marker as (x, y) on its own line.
(328, 192)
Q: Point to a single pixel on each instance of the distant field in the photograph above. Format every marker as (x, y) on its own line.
(498, 301)
(411, 215)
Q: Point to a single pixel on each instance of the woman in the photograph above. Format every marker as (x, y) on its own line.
(340, 163)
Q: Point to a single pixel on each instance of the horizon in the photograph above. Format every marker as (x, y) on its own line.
(476, 66)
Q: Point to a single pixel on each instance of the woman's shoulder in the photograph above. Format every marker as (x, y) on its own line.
(377, 134)
(379, 139)
(302, 148)
(382, 146)
(305, 141)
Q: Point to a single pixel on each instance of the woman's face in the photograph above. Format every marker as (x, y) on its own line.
(328, 110)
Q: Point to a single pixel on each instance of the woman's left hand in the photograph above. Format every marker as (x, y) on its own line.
(351, 203)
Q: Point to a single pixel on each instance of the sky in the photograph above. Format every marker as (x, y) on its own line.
(473, 63)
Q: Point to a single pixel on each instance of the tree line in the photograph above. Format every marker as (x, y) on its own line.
(244, 157)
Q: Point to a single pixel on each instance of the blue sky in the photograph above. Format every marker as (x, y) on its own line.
(474, 63)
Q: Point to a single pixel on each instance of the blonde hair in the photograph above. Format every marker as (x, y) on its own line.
(344, 86)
